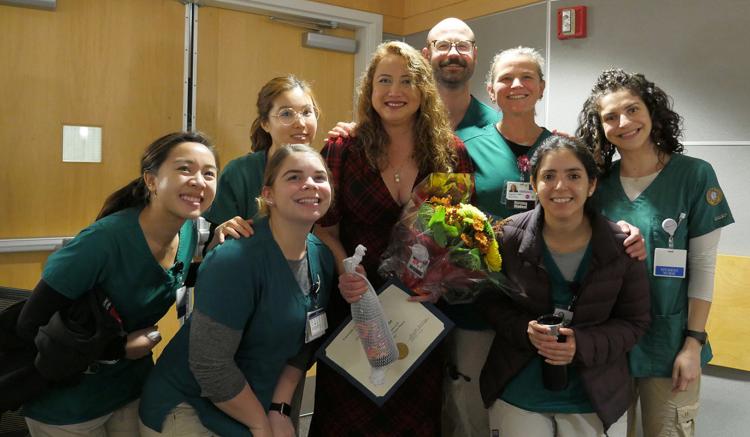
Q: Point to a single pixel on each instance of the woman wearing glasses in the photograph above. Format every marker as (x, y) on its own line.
(287, 114)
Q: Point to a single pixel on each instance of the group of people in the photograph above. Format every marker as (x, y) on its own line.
(284, 217)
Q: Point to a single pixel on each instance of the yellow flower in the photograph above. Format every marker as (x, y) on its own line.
(493, 259)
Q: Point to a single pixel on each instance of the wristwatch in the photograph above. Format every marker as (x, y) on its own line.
(698, 335)
(282, 407)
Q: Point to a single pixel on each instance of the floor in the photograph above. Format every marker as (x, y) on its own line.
(725, 405)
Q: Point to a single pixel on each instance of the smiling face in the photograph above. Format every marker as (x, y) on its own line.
(303, 127)
(516, 85)
(562, 185)
(626, 121)
(451, 69)
(185, 183)
(395, 97)
(301, 192)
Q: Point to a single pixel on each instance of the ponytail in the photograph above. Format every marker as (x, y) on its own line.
(134, 194)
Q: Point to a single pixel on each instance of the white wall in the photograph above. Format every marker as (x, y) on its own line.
(696, 50)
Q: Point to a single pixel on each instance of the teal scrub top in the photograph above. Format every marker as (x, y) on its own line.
(686, 185)
(246, 285)
(494, 165)
(239, 184)
(526, 390)
(112, 254)
(477, 116)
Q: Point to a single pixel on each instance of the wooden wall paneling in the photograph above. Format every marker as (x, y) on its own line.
(730, 307)
(238, 52)
(107, 63)
(464, 10)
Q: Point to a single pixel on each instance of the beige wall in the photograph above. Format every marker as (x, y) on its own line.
(404, 17)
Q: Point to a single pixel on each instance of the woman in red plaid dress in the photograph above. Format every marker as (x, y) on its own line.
(403, 134)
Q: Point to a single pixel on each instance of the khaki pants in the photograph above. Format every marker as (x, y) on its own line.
(120, 423)
(464, 414)
(664, 413)
(182, 421)
(507, 420)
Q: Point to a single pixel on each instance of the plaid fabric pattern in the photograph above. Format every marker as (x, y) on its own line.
(366, 212)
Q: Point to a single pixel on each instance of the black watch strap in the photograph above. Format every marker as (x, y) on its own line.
(282, 407)
(702, 337)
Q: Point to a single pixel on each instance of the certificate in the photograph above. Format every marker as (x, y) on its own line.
(417, 328)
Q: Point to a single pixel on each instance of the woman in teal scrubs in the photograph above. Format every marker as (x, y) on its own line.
(680, 208)
(137, 253)
(287, 114)
(259, 303)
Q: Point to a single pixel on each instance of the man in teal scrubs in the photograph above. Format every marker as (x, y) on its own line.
(467, 346)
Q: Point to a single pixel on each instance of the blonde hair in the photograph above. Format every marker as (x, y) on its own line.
(529, 52)
(433, 136)
(273, 165)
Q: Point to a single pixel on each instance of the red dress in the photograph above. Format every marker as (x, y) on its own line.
(366, 213)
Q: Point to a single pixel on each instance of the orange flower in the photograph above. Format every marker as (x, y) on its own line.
(467, 240)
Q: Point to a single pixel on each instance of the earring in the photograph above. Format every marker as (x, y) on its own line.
(269, 202)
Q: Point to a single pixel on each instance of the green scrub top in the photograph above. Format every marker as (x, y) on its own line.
(477, 116)
(526, 390)
(686, 185)
(239, 184)
(113, 255)
(246, 285)
(494, 165)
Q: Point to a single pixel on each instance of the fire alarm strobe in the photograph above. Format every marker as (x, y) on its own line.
(571, 22)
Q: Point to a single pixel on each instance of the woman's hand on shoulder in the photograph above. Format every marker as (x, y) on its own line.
(635, 244)
(140, 342)
(281, 425)
(342, 129)
(353, 286)
(236, 228)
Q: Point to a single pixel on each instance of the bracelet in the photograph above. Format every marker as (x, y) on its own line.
(282, 407)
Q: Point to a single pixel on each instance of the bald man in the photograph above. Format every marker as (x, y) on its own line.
(452, 52)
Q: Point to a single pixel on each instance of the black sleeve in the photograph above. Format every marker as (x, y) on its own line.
(41, 305)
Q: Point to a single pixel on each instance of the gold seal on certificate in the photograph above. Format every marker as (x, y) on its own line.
(417, 328)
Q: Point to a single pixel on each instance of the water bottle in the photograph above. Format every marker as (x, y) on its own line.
(372, 325)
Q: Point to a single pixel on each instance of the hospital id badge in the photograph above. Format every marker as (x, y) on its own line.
(519, 195)
(316, 324)
(670, 263)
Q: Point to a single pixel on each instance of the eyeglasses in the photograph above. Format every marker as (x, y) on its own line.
(462, 47)
(288, 116)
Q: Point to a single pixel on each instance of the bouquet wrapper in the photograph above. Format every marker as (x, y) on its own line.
(442, 246)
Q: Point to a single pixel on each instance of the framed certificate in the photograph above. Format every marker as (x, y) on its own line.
(417, 329)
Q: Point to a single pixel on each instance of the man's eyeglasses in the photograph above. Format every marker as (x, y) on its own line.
(288, 116)
(462, 47)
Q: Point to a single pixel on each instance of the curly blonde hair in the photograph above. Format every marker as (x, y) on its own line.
(433, 136)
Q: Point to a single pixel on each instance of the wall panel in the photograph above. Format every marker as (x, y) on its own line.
(108, 63)
(238, 52)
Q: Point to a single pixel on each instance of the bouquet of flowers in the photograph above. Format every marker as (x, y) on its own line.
(442, 246)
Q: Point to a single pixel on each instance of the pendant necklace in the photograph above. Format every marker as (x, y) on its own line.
(397, 173)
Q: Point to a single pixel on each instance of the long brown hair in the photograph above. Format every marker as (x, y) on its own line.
(259, 138)
(135, 193)
(433, 136)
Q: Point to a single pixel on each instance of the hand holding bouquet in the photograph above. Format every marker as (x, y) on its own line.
(442, 246)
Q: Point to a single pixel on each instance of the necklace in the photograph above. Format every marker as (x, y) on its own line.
(397, 173)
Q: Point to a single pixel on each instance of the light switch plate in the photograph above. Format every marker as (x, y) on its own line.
(82, 144)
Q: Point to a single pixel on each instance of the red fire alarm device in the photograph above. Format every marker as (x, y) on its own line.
(571, 22)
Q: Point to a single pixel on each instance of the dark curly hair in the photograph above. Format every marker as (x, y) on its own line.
(666, 129)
